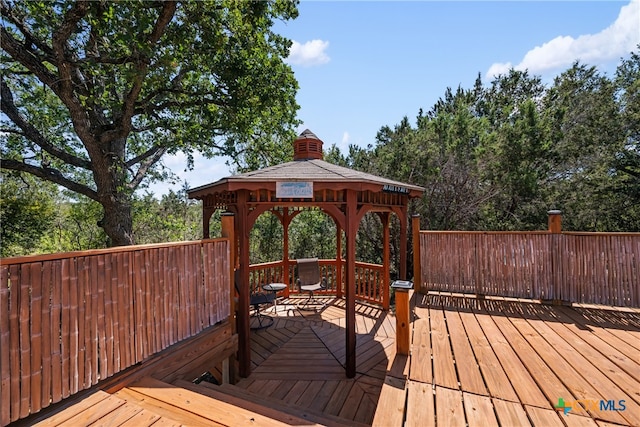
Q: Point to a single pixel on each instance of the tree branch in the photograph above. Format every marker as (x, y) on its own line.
(144, 167)
(128, 108)
(26, 57)
(9, 108)
(49, 174)
(150, 152)
(29, 38)
(63, 87)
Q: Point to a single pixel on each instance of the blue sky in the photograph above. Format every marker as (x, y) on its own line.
(362, 65)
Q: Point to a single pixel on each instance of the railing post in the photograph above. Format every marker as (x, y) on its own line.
(403, 320)
(417, 267)
(555, 221)
(555, 229)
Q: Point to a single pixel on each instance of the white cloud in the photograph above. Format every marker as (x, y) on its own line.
(345, 138)
(613, 42)
(309, 54)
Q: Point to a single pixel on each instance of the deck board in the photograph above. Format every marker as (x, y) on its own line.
(528, 355)
(472, 362)
(444, 371)
(479, 410)
(420, 405)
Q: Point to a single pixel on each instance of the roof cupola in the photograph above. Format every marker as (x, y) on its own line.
(307, 146)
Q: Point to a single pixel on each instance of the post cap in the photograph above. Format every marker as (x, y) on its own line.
(402, 284)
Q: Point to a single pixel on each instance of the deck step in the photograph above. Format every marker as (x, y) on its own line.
(185, 403)
(255, 402)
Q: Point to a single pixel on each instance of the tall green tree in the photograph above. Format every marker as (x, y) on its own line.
(513, 156)
(586, 138)
(627, 160)
(95, 93)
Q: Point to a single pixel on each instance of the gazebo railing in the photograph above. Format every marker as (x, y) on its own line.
(369, 283)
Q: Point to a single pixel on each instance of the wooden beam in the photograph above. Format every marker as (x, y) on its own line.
(244, 330)
(417, 268)
(403, 244)
(352, 228)
(228, 231)
(339, 289)
(386, 260)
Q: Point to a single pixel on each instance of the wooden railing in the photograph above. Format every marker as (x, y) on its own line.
(69, 320)
(591, 268)
(369, 282)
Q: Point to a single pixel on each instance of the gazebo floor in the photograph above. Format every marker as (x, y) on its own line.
(300, 359)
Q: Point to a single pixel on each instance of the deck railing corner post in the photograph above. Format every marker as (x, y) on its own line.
(555, 229)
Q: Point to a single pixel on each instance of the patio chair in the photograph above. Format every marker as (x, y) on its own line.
(309, 280)
(256, 300)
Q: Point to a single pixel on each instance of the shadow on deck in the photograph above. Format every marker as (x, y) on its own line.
(473, 362)
(497, 362)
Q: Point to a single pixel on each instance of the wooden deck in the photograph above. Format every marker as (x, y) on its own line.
(497, 362)
(473, 362)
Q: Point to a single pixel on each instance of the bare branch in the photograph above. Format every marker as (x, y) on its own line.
(9, 108)
(49, 174)
(150, 152)
(144, 167)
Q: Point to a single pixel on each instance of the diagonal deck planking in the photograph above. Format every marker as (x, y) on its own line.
(300, 360)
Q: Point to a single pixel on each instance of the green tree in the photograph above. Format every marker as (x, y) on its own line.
(75, 226)
(586, 138)
(172, 218)
(27, 212)
(514, 152)
(627, 160)
(94, 93)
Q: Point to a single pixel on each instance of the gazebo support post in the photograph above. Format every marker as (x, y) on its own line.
(244, 330)
(286, 221)
(228, 231)
(351, 222)
(386, 260)
(403, 244)
(338, 277)
(229, 370)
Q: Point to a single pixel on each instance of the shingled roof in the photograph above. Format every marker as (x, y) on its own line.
(307, 167)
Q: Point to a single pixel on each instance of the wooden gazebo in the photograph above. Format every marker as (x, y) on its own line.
(308, 181)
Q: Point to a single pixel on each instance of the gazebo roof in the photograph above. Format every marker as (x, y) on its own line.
(308, 169)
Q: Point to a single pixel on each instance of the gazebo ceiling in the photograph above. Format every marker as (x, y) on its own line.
(307, 168)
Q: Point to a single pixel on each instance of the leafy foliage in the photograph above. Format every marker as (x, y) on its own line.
(94, 94)
(499, 157)
(26, 214)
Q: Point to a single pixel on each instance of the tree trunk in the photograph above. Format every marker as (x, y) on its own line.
(117, 221)
(110, 176)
